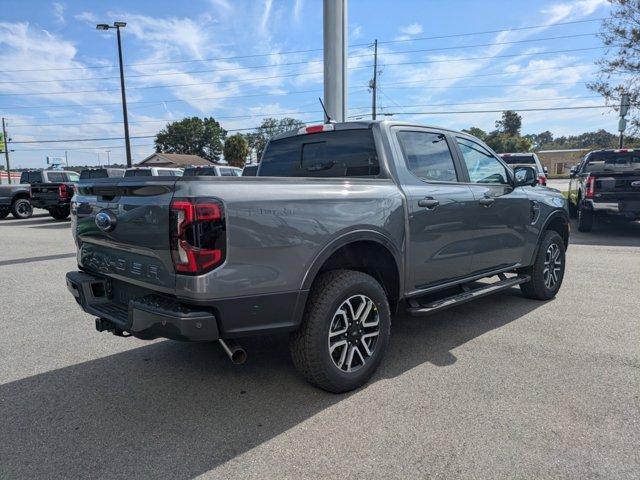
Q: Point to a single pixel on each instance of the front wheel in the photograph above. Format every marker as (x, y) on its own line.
(344, 332)
(547, 271)
(21, 208)
(60, 213)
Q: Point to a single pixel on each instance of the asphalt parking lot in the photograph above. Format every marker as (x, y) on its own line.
(501, 388)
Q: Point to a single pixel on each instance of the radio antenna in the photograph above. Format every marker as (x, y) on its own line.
(328, 119)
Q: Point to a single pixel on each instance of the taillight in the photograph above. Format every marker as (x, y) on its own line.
(327, 127)
(198, 234)
(542, 180)
(65, 192)
(591, 186)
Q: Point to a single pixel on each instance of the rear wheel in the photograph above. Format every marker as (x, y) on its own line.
(21, 208)
(4, 211)
(547, 272)
(344, 332)
(573, 210)
(60, 213)
(585, 219)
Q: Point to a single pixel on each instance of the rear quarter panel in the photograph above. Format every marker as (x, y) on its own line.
(278, 227)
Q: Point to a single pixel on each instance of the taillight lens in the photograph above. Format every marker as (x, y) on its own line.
(591, 186)
(198, 234)
(542, 180)
(65, 192)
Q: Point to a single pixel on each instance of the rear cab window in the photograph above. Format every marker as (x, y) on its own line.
(612, 162)
(339, 153)
(200, 172)
(518, 159)
(138, 173)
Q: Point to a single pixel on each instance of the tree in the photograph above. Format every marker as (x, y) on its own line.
(476, 132)
(269, 128)
(193, 136)
(503, 143)
(510, 124)
(538, 140)
(236, 150)
(620, 64)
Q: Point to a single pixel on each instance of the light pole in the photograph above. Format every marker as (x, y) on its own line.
(108, 157)
(118, 26)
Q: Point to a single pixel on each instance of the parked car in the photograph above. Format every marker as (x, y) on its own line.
(250, 170)
(101, 173)
(213, 171)
(605, 183)
(345, 224)
(15, 199)
(52, 190)
(528, 159)
(153, 172)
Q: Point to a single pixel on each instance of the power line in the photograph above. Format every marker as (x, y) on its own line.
(305, 62)
(270, 54)
(454, 112)
(304, 73)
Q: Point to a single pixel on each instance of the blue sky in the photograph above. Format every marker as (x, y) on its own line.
(229, 59)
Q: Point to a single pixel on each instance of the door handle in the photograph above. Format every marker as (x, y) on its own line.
(486, 201)
(428, 203)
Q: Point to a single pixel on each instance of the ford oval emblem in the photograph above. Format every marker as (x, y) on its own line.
(106, 220)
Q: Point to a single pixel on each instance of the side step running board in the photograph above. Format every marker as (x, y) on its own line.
(416, 309)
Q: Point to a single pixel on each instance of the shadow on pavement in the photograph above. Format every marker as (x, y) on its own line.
(40, 220)
(43, 258)
(54, 226)
(178, 410)
(607, 233)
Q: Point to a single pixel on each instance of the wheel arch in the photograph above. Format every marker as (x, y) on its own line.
(558, 221)
(367, 251)
(20, 195)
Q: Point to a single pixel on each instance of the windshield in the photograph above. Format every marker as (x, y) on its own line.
(612, 162)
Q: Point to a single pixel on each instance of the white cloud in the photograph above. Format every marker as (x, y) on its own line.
(58, 12)
(87, 17)
(356, 32)
(222, 4)
(297, 10)
(266, 14)
(412, 29)
(567, 11)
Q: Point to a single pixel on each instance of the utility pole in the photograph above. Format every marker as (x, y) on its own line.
(6, 150)
(374, 82)
(335, 41)
(66, 158)
(118, 26)
(108, 157)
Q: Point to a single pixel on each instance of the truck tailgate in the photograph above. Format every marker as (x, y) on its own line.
(622, 187)
(132, 241)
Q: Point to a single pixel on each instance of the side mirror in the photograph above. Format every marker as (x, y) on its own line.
(525, 176)
(545, 170)
(572, 172)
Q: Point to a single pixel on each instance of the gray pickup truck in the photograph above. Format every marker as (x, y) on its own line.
(344, 225)
(15, 199)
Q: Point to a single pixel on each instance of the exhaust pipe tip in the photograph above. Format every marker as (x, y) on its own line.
(234, 351)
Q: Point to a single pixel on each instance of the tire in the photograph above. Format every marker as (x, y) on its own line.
(21, 208)
(585, 219)
(573, 210)
(4, 212)
(543, 285)
(343, 369)
(60, 213)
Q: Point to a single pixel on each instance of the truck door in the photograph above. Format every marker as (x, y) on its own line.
(440, 232)
(501, 213)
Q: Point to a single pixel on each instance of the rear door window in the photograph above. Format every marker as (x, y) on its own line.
(72, 177)
(612, 162)
(427, 155)
(342, 153)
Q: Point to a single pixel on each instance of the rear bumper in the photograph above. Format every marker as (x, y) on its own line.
(626, 208)
(48, 203)
(150, 316)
